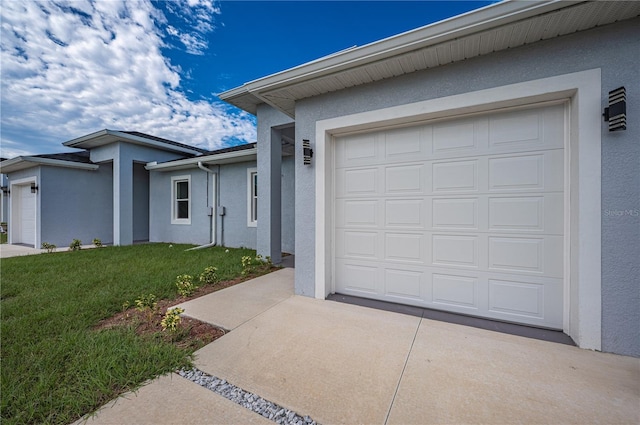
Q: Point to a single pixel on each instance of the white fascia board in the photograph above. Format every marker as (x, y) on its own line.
(79, 140)
(23, 162)
(110, 136)
(458, 26)
(155, 143)
(223, 158)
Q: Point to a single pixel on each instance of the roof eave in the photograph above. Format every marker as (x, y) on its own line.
(458, 26)
(24, 162)
(111, 136)
(215, 159)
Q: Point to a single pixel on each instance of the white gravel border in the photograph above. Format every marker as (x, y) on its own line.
(265, 408)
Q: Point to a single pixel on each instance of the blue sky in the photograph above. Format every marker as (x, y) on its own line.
(72, 68)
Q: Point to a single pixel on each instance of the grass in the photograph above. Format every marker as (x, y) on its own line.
(3, 238)
(55, 366)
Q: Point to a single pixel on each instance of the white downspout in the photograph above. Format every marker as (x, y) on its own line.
(214, 177)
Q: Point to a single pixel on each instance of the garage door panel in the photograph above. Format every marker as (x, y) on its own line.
(360, 279)
(404, 144)
(402, 179)
(406, 247)
(454, 250)
(516, 298)
(360, 148)
(527, 255)
(358, 244)
(358, 213)
(527, 172)
(360, 182)
(454, 290)
(461, 137)
(403, 285)
(406, 213)
(455, 176)
(464, 215)
(455, 213)
(542, 213)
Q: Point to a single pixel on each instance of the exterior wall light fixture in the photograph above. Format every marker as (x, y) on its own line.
(616, 112)
(307, 152)
(34, 188)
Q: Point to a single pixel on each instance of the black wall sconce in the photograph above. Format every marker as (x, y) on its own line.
(5, 190)
(34, 188)
(616, 113)
(307, 152)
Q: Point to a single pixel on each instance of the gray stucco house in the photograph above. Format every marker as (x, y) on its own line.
(125, 187)
(465, 166)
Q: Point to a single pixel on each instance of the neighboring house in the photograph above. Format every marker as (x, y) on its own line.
(465, 166)
(127, 187)
(4, 194)
(100, 192)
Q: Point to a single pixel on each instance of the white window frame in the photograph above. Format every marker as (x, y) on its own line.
(174, 201)
(252, 198)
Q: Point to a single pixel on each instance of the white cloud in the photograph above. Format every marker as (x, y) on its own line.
(69, 69)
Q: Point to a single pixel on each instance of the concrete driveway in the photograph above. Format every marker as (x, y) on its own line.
(346, 364)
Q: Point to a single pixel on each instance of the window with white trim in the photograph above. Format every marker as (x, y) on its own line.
(252, 197)
(181, 200)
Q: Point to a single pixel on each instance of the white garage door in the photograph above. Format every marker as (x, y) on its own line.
(463, 215)
(25, 213)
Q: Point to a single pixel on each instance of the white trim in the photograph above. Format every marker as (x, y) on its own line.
(104, 137)
(214, 206)
(13, 221)
(22, 162)
(223, 158)
(583, 320)
(250, 197)
(471, 22)
(174, 212)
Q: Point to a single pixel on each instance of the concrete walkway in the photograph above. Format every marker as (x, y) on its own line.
(7, 250)
(345, 364)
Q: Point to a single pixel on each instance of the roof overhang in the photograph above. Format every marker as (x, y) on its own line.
(216, 159)
(23, 162)
(105, 137)
(489, 29)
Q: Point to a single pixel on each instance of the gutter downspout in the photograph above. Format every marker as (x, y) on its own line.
(212, 225)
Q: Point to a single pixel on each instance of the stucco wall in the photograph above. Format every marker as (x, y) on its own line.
(614, 49)
(140, 203)
(160, 227)
(232, 229)
(288, 205)
(123, 156)
(75, 204)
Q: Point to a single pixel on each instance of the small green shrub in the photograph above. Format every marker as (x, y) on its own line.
(184, 283)
(146, 302)
(171, 319)
(97, 242)
(209, 276)
(48, 246)
(76, 245)
(255, 264)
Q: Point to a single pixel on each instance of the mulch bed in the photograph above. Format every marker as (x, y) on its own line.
(191, 333)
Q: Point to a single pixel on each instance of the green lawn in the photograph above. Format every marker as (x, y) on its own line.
(55, 368)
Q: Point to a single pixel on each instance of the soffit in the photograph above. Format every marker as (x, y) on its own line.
(461, 45)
